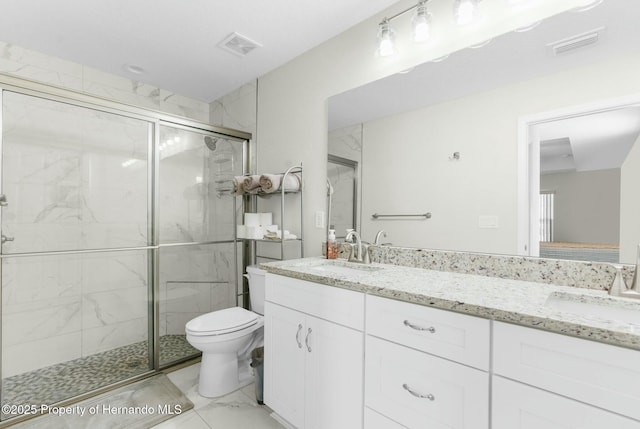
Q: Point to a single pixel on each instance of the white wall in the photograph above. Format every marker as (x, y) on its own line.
(292, 100)
(630, 205)
(410, 153)
(586, 205)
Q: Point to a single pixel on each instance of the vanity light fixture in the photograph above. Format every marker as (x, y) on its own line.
(386, 39)
(421, 26)
(421, 23)
(465, 11)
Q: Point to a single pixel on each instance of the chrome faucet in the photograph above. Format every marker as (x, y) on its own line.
(619, 287)
(383, 233)
(357, 252)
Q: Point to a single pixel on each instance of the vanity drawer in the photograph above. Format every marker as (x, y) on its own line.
(462, 338)
(418, 390)
(342, 306)
(518, 406)
(595, 373)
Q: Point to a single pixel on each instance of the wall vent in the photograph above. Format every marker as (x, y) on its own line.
(238, 44)
(578, 41)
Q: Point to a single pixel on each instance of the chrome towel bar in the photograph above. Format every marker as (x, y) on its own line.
(424, 215)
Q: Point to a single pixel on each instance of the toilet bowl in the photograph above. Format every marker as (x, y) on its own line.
(226, 339)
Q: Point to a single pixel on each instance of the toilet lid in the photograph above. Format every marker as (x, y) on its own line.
(222, 321)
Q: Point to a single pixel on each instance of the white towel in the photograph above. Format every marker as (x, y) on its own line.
(238, 185)
(251, 184)
(274, 182)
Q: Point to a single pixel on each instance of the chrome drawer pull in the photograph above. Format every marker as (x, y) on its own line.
(428, 396)
(298, 336)
(420, 328)
(306, 340)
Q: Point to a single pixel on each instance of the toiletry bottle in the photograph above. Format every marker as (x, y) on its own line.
(332, 245)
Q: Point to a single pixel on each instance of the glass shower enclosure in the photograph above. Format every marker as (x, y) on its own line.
(117, 227)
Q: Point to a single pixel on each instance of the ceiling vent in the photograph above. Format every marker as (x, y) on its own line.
(238, 44)
(578, 41)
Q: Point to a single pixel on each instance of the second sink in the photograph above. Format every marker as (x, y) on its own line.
(593, 306)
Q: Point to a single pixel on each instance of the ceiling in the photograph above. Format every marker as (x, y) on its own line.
(512, 58)
(175, 42)
(597, 141)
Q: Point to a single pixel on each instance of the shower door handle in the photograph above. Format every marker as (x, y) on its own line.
(4, 239)
(3, 200)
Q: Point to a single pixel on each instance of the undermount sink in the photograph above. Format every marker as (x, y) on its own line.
(342, 267)
(594, 306)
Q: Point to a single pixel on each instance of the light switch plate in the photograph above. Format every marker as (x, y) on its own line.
(320, 219)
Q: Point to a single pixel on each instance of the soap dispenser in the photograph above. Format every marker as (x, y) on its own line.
(332, 245)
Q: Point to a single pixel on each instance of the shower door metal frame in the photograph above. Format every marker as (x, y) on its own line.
(155, 119)
(156, 231)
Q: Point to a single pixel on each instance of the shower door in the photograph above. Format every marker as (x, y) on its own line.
(76, 249)
(196, 217)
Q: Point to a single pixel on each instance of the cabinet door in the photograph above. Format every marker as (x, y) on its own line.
(518, 406)
(284, 362)
(419, 390)
(334, 376)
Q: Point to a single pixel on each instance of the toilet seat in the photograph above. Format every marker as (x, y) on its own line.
(222, 322)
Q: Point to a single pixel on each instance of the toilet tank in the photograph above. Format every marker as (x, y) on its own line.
(256, 288)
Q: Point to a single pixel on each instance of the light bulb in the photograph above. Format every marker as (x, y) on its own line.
(465, 11)
(421, 24)
(386, 40)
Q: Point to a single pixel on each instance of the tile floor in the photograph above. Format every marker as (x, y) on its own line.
(238, 410)
(58, 382)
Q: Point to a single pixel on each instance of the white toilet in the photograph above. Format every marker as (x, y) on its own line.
(226, 339)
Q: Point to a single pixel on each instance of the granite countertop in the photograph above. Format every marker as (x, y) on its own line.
(514, 301)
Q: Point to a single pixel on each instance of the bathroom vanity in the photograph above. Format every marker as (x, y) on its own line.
(386, 346)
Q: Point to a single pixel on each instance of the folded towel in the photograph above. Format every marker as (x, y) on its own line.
(238, 185)
(251, 184)
(274, 182)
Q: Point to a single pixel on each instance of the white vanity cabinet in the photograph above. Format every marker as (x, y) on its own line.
(314, 345)
(577, 384)
(426, 367)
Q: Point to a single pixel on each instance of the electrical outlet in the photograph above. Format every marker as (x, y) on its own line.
(320, 219)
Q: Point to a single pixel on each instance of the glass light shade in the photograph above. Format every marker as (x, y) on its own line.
(465, 11)
(386, 40)
(421, 24)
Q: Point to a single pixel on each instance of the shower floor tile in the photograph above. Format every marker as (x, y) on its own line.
(68, 379)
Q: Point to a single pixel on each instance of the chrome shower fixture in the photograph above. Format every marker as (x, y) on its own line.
(210, 142)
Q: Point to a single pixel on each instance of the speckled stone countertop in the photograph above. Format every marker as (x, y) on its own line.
(520, 302)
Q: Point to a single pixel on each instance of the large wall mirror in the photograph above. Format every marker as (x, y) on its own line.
(525, 145)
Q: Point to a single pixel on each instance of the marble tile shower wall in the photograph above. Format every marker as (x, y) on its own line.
(58, 308)
(68, 189)
(194, 280)
(32, 65)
